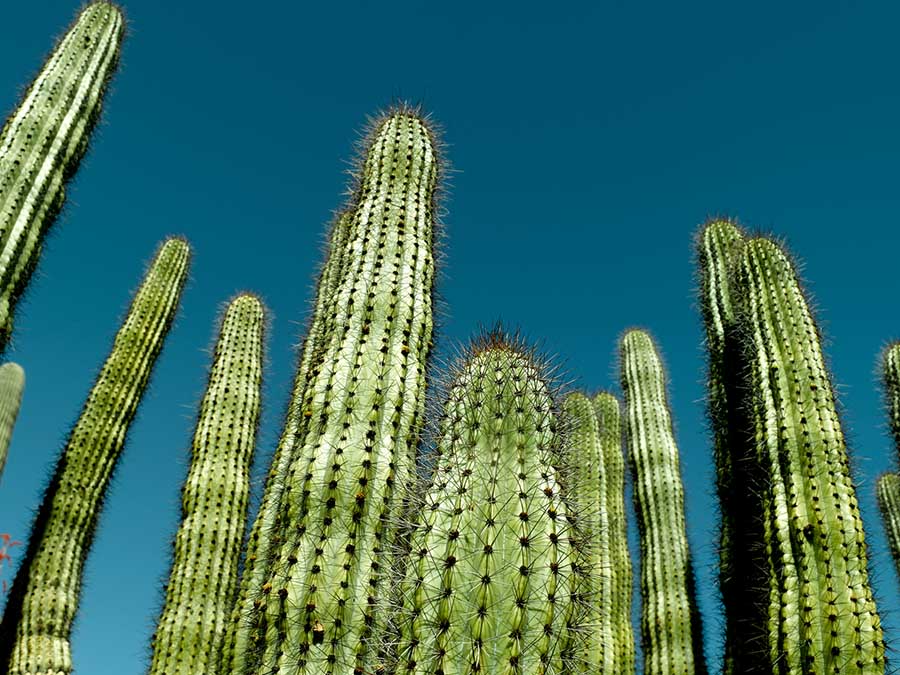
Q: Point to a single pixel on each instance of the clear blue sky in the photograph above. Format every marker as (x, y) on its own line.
(588, 141)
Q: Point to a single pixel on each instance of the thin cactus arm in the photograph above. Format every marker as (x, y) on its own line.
(888, 497)
(891, 375)
(12, 384)
(215, 496)
(36, 625)
(44, 139)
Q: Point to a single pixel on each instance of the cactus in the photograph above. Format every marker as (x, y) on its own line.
(891, 378)
(490, 585)
(671, 634)
(214, 499)
(621, 658)
(12, 382)
(34, 632)
(358, 421)
(43, 142)
(888, 494)
(813, 610)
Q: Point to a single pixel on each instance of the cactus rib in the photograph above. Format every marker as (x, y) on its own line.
(12, 383)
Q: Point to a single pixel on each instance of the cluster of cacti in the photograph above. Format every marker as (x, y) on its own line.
(504, 549)
(793, 530)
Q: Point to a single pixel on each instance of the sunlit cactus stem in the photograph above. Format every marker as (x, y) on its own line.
(214, 500)
(490, 586)
(12, 383)
(35, 630)
(314, 600)
(671, 633)
(621, 660)
(888, 494)
(44, 139)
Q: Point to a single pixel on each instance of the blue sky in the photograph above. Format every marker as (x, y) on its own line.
(587, 142)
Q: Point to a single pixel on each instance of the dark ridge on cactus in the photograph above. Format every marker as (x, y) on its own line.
(42, 129)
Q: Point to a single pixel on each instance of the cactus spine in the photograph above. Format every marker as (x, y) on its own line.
(888, 487)
(490, 584)
(43, 142)
(670, 623)
(358, 422)
(815, 610)
(214, 499)
(622, 658)
(12, 383)
(34, 632)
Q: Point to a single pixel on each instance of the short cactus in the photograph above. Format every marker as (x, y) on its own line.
(671, 634)
(214, 500)
(621, 660)
(43, 142)
(490, 584)
(358, 421)
(34, 632)
(813, 610)
(12, 383)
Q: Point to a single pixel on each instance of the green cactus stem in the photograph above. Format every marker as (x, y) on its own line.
(35, 630)
(265, 532)
(491, 582)
(214, 500)
(12, 383)
(359, 420)
(891, 375)
(817, 606)
(43, 142)
(671, 633)
(621, 659)
(888, 494)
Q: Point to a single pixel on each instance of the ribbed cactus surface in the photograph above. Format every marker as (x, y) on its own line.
(34, 632)
(670, 627)
(888, 496)
(490, 583)
(358, 420)
(12, 383)
(203, 577)
(45, 138)
(891, 375)
(621, 658)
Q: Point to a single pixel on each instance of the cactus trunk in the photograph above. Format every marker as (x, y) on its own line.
(490, 586)
(34, 632)
(670, 623)
(43, 142)
(358, 422)
(622, 659)
(12, 383)
(214, 500)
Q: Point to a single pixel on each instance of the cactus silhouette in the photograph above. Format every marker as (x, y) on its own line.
(621, 659)
(805, 546)
(43, 142)
(37, 622)
(356, 423)
(490, 586)
(214, 499)
(671, 634)
(12, 383)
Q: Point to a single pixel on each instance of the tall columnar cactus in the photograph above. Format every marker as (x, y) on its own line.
(315, 594)
(490, 586)
(888, 494)
(214, 500)
(12, 383)
(671, 634)
(606, 407)
(43, 142)
(813, 611)
(891, 375)
(34, 632)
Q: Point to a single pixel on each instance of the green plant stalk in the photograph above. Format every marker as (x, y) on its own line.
(359, 422)
(491, 582)
(891, 375)
(12, 383)
(265, 533)
(670, 623)
(35, 630)
(606, 407)
(214, 499)
(888, 494)
(821, 613)
(44, 139)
